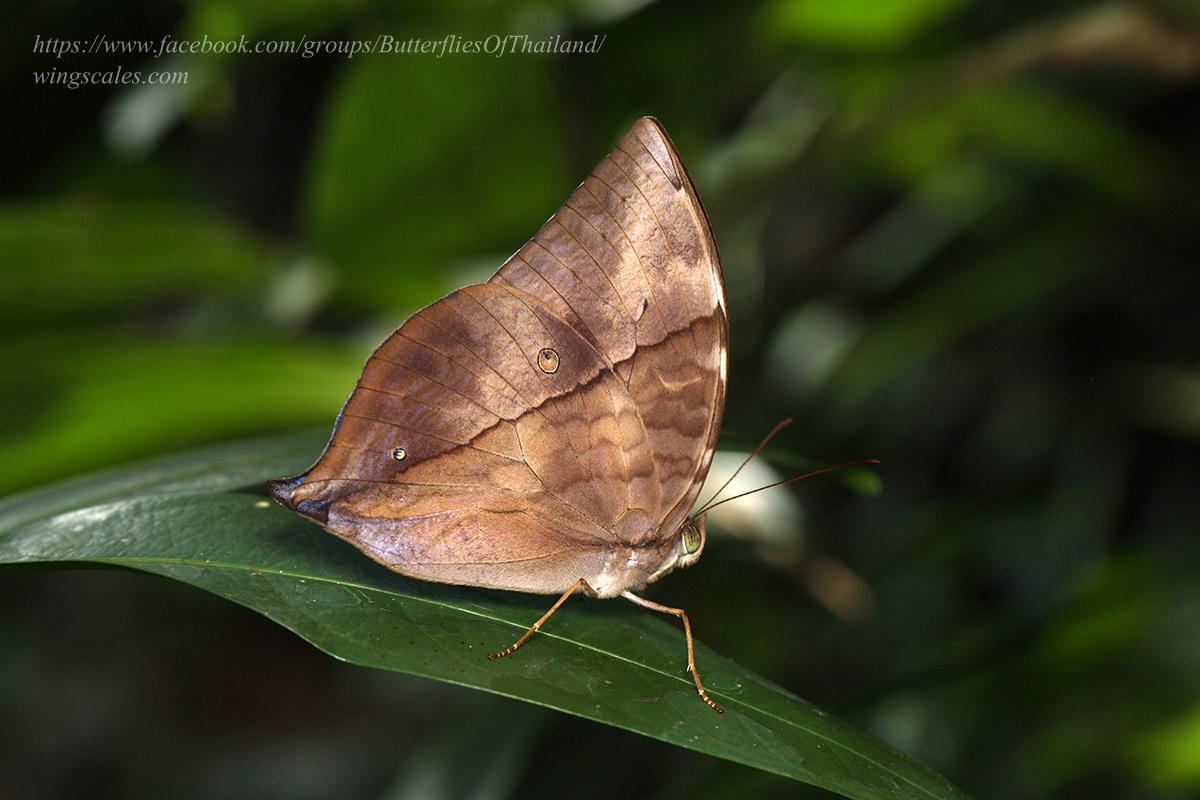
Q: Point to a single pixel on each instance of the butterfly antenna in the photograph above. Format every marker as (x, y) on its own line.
(790, 480)
(766, 440)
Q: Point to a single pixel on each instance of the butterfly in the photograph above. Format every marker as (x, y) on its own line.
(548, 430)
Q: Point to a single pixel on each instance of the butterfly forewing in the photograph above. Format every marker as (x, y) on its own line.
(633, 243)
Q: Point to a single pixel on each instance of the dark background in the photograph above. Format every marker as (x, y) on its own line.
(958, 236)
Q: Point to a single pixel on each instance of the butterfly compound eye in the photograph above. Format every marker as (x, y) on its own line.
(691, 539)
(547, 360)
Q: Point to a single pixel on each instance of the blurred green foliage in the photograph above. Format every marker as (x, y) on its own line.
(960, 237)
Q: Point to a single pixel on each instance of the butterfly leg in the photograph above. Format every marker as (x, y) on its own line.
(687, 630)
(512, 648)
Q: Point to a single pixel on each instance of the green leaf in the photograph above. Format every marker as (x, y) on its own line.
(201, 518)
(856, 24)
(115, 399)
(100, 256)
(1027, 125)
(1169, 755)
(1019, 278)
(439, 167)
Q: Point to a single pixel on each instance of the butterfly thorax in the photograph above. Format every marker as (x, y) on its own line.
(630, 568)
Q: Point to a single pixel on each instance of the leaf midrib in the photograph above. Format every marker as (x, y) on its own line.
(731, 700)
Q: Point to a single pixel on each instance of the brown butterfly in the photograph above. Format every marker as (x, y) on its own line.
(548, 431)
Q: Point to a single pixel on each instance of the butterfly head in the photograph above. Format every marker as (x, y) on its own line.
(692, 534)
